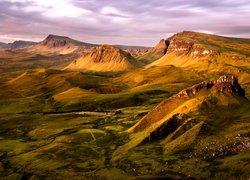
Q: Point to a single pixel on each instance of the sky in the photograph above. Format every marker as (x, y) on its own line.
(128, 22)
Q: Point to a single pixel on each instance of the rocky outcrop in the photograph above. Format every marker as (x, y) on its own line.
(179, 47)
(162, 46)
(169, 127)
(224, 84)
(185, 43)
(156, 52)
(199, 52)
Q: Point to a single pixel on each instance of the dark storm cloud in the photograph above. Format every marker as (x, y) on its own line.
(117, 21)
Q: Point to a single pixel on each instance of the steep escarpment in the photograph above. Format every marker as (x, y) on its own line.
(199, 45)
(105, 58)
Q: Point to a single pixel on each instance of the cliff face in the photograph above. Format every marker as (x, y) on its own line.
(156, 52)
(179, 47)
(187, 43)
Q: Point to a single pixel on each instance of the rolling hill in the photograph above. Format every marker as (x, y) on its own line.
(180, 111)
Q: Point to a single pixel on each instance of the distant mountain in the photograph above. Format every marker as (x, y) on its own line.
(21, 44)
(135, 51)
(55, 41)
(105, 58)
(60, 45)
(17, 44)
(3, 45)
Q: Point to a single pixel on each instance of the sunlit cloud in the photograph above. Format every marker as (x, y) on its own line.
(52, 8)
(140, 22)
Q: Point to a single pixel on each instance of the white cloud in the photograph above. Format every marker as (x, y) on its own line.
(109, 10)
(114, 14)
(53, 8)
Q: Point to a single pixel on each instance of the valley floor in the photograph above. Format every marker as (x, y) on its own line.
(80, 146)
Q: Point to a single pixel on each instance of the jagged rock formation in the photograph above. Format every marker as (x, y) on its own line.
(156, 52)
(105, 58)
(224, 84)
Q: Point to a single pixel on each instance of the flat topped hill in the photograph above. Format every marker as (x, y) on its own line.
(54, 41)
(60, 45)
(105, 58)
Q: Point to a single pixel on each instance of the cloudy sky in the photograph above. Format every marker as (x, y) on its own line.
(133, 22)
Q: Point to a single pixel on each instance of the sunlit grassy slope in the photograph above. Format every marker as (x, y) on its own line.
(105, 58)
(134, 128)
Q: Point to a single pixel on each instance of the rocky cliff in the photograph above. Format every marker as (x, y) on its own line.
(156, 52)
(190, 43)
(225, 84)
